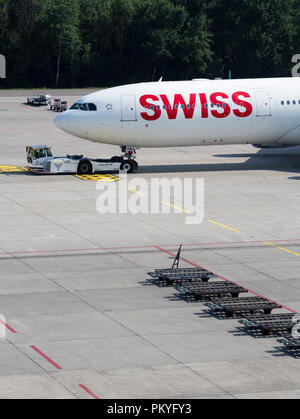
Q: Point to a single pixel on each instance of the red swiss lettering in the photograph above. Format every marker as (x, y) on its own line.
(153, 108)
(216, 100)
(188, 109)
(204, 105)
(223, 108)
(248, 107)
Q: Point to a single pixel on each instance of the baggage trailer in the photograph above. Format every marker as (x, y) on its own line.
(231, 306)
(59, 106)
(270, 323)
(169, 276)
(290, 342)
(198, 290)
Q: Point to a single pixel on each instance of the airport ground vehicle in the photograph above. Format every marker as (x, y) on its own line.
(40, 100)
(41, 160)
(59, 106)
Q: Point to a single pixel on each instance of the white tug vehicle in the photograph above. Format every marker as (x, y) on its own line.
(40, 160)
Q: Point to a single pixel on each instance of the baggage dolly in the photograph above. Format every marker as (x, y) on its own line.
(231, 306)
(268, 323)
(198, 290)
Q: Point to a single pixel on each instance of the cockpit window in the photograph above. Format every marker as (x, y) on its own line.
(76, 106)
(92, 107)
(84, 107)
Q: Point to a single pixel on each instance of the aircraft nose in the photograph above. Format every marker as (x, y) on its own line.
(72, 124)
(63, 122)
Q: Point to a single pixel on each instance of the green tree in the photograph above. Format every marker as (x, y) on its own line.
(166, 41)
(4, 24)
(252, 38)
(23, 17)
(61, 33)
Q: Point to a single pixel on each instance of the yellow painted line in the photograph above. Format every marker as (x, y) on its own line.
(174, 206)
(96, 178)
(224, 226)
(162, 202)
(282, 248)
(137, 192)
(4, 170)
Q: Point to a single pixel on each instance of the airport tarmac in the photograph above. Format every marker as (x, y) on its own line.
(82, 322)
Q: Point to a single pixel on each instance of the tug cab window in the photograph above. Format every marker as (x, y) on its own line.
(39, 154)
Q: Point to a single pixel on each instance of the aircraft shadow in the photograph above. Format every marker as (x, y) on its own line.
(286, 160)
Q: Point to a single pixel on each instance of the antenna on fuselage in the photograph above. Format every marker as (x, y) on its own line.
(160, 80)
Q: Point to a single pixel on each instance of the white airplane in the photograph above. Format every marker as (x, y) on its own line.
(262, 112)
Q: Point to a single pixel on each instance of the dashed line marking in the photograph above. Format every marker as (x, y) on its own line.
(98, 177)
(282, 248)
(87, 390)
(163, 202)
(137, 192)
(58, 367)
(224, 226)
(174, 206)
(5, 170)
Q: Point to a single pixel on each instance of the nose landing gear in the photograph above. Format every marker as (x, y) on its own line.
(130, 154)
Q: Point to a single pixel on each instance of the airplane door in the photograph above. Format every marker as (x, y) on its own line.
(128, 108)
(263, 105)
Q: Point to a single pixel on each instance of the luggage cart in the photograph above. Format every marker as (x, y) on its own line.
(167, 277)
(268, 323)
(231, 306)
(290, 342)
(198, 290)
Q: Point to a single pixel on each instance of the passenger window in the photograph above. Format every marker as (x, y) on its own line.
(282, 102)
(288, 102)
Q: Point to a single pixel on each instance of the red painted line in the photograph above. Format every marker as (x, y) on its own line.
(182, 259)
(30, 107)
(33, 252)
(8, 327)
(228, 280)
(87, 390)
(46, 357)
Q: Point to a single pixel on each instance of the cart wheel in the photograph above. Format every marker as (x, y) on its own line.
(85, 168)
(136, 166)
(127, 166)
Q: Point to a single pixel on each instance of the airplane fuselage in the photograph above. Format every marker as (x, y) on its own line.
(190, 113)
